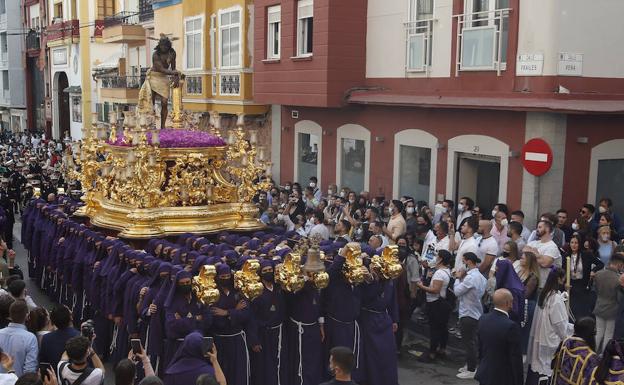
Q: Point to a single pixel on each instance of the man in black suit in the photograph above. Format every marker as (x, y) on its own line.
(499, 344)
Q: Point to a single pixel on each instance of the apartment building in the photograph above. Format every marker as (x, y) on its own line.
(435, 98)
(36, 73)
(12, 89)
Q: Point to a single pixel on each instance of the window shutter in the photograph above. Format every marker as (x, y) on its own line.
(305, 9)
(274, 14)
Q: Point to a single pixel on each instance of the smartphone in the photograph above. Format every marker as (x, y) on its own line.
(43, 369)
(207, 345)
(136, 345)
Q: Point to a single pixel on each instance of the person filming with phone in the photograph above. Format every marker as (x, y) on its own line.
(196, 358)
(74, 369)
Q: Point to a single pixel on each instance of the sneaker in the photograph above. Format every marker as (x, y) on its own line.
(467, 375)
(463, 369)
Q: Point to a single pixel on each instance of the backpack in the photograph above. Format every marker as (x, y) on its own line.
(87, 372)
(450, 294)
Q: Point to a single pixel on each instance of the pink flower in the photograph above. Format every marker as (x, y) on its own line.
(172, 138)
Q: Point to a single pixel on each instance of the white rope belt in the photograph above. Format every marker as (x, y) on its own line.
(84, 304)
(356, 338)
(242, 334)
(147, 335)
(113, 344)
(300, 330)
(279, 350)
(74, 300)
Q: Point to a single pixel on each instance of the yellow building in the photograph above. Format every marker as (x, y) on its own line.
(214, 51)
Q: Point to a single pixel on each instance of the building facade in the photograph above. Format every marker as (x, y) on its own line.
(13, 91)
(35, 59)
(435, 98)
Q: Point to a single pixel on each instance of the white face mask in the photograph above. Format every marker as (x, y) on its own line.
(287, 188)
(460, 208)
(351, 201)
(342, 194)
(575, 226)
(605, 238)
(602, 209)
(494, 213)
(312, 184)
(410, 210)
(330, 192)
(504, 222)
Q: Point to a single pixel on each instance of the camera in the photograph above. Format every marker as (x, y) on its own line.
(87, 329)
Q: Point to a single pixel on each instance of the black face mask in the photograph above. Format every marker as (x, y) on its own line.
(505, 254)
(185, 289)
(227, 283)
(403, 251)
(269, 277)
(231, 263)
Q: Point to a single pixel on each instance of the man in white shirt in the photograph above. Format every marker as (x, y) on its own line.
(467, 244)
(518, 216)
(469, 288)
(436, 240)
(487, 246)
(464, 209)
(319, 230)
(545, 249)
(500, 228)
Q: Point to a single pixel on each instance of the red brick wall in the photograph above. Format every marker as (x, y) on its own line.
(386, 122)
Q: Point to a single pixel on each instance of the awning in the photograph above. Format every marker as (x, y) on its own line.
(534, 102)
(73, 90)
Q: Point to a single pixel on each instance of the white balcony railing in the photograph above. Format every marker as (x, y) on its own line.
(482, 39)
(419, 38)
(4, 58)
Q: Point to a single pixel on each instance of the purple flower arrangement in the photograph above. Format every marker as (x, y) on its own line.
(174, 138)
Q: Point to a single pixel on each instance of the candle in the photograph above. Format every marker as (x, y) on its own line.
(269, 169)
(244, 160)
(112, 117)
(261, 153)
(209, 191)
(142, 120)
(240, 121)
(152, 160)
(131, 158)
(253, 136)
(231, 137)
(155, 137)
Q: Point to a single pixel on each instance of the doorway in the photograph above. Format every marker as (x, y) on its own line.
(62, 83)
(478, 177)
(611, 183)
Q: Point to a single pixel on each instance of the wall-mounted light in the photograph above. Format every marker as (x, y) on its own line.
(379, 139)
(285, 128)
(514, 154)
(440, 146)
(294, 114)
(327, 133)
(582, 140)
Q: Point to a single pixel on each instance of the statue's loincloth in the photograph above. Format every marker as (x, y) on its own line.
(155, 82)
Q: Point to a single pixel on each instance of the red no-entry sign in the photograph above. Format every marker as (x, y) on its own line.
(537, 156)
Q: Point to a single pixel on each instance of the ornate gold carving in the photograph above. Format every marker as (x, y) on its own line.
(204, 285)
(387, 265)
(289, 274)
(247, 280)
(353, 268)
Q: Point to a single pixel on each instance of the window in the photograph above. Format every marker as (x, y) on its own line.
(230, 36)
(414, 172)
(213, 34)
(58, 11)
(5, 80)
(419, 34)
(194, 85)
(193, 30)
(485, 32)
(353, 157)
(305, 27)
(214, 85)
(307, 156)
(106, 8)
(273, 38)
(2, 7)
(77, 109)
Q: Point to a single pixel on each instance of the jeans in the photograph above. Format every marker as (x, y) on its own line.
(438, 313)
(604, 332)
(468, 328)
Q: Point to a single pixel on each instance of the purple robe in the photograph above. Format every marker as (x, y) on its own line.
(341, 309)
(575, 362)
(378, 359)
(266, 328)
(188, 363)
(303, 337)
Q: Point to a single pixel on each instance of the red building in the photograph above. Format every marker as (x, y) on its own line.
(435, 98)
(34, 12)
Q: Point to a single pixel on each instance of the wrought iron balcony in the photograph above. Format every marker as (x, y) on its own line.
(121, 18)
(33, 41)
(146, 12)
(116, 81)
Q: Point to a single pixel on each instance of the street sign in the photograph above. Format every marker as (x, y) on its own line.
(537, 156)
